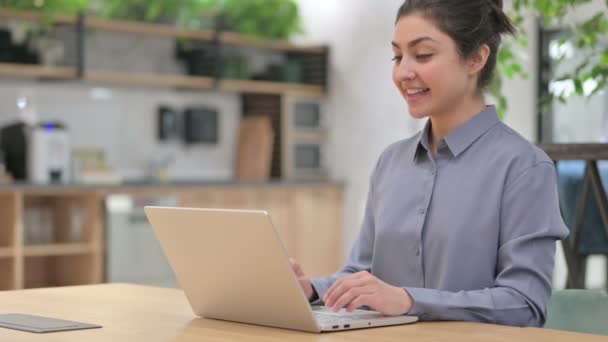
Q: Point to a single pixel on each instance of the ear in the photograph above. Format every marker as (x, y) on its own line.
(479, 59)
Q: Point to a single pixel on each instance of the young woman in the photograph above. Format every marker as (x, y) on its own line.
(461, 219)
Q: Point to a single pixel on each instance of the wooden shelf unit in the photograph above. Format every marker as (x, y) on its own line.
(58, 249)
(59, 270)
(11, 262)
(149, 80)
(237, 39)
(159, 80)
(163, 30)
(62, 260)
(308, 219)
(264, 87)
(37, 71)
(155, 30)
(37, 17)
(7, 275)
(6, 252)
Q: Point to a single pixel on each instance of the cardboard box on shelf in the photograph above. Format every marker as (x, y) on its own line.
(254, 154)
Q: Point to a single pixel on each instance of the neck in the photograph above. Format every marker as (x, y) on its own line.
(443, 124)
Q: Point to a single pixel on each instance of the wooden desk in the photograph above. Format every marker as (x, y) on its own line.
(139, 313)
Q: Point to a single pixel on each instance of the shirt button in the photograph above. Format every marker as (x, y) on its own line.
(418, 251)
(421, 211)
(432, 172)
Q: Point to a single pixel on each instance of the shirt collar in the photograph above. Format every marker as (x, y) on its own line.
(463, 136)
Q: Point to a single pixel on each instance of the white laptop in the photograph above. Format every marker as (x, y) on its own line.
(232, 266)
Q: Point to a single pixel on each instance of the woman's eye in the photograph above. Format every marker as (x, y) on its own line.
(423, 57)
(397, 59)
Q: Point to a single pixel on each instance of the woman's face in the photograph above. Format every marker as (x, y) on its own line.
(428, 70)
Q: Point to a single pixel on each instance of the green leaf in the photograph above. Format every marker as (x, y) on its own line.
(604, 58)
(578, 86)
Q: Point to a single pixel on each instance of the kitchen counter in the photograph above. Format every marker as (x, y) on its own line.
(138, 186)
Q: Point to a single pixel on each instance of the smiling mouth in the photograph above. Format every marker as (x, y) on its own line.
(412, 92)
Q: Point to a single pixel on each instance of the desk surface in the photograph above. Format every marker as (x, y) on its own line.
(140, 313)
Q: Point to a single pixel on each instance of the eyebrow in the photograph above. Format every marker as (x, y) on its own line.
(415, 42)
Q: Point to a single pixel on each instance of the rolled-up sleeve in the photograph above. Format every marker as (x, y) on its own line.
(530, 224)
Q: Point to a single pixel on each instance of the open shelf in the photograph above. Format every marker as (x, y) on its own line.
(59, 270)
(8, 221)
(7, 276)
(37, 71)
(157, 30)
(311, 55)
(149, 80)
(266, 87)
(202, 83)
(237, 39)
(34, 16)
(58, 249)
(62, 239)
(163, 30)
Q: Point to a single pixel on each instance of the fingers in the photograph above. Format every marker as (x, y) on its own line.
(297, 268)
(362, 300)
(329, 294)
(344, 285)
(349, 296)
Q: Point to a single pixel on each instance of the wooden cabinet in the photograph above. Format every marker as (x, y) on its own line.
(307, 218)
(50, 239)
(53, 236)
(11, 260)
(315, 220)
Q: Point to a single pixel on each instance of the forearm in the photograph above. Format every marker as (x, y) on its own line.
(499, 305)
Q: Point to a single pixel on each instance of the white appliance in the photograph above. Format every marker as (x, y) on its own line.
(133, 254)
(49, 154)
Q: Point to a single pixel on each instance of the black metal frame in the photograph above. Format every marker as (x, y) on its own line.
(543, 76)
(591, 153)
(81, 29)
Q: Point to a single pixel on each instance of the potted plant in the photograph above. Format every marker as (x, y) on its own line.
(586, 34)
(582, 194)
(194, 14)
(278, 19)
(28, 44)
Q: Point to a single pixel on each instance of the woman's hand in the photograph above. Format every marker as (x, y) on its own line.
(364, 289)
(302, 278)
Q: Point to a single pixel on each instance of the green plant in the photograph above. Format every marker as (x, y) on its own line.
(185, 13)
(586, 34)
(262, 18)
(259, 18)
(49, 8)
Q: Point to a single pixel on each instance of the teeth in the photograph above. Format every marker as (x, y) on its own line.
(414, 91)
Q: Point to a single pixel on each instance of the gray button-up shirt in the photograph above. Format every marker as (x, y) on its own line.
(469, 234)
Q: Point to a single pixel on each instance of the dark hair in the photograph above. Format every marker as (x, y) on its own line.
(470, 23)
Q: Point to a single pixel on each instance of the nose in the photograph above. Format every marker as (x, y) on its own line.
(405, 71)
